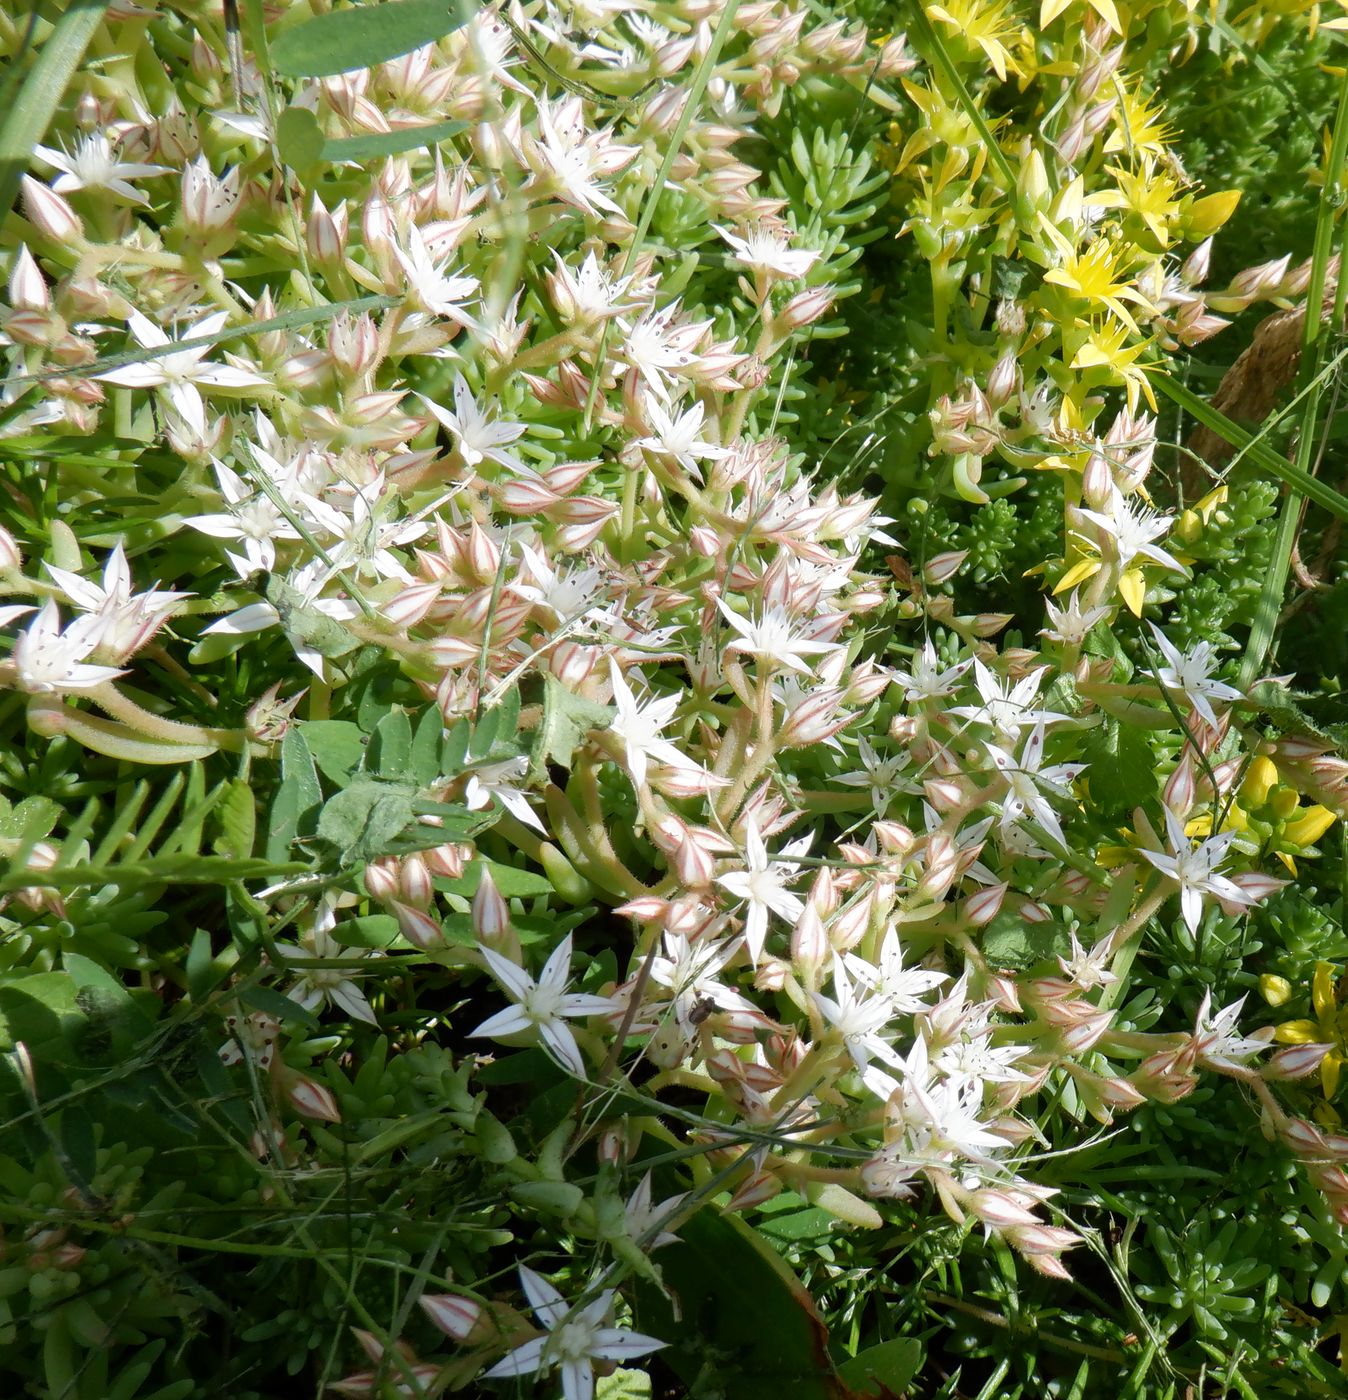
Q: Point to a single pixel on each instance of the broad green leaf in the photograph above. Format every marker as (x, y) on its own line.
(360, 37)
(887, 1369)
(115, 1024)
(299, 138)
(237, 815)
(363, 820)
(1121, 772)
(364, 149)
(40, 1009)
(427, 747)
(390, 751)
(338, 747)
(297, 797)
(512, 883)
(738, 1300)
(567, 720)
(31, 819)
(1009, 941)
(367, 931)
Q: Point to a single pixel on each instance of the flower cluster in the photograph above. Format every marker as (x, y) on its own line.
(503, 412)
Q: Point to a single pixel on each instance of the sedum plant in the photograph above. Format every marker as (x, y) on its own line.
(485, 766)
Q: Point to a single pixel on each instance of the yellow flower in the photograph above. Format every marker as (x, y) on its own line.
(988, 26)
(1139, 128)
(1328, 1028)
(1096, 275)
(1049, 10)
(1149, 193)
(1104, 348)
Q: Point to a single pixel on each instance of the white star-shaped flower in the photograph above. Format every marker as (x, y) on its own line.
(49, 661)
(1189, 673)
(180, 372)
(431, 284)
(677, 437)
(763, 885)
(477, 434)
(767, 250)
(928, 680)
(92, 166)
(772, 638)
(541, 1005)
(576, 1338)
(639, 727)
(1195, 869)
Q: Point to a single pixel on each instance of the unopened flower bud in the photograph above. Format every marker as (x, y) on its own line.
(491, 914)
(417, 926)
(457, 1317)
(381, 879)
(1294, 1061)
(50, 213)
(311, 1099)
(806, 307)
(1275, 990)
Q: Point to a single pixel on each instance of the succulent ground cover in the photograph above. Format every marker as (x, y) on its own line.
(672, 700)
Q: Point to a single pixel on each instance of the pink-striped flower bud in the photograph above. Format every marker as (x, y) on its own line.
(1294, 1061)
(983, 906)
(1195, 269)
(410, 606)
(693, 865)
(11, 557)
(421, 929)
(527, 496)
(1040, 1239)
(353, 343)
(809, 945)
(448, 860)
(50, 213)
(1097, 482)
(1085, 1033)
(814, 719)
(326, 233)
(311, 1099)
(807, 307)
(1180, 789)
(381, 879)
(491, 914)
(1004, 994)
(1262, 280)
(1304, 1138)
(457, 1317)
(756, 1190)
(414, 881)
(27, 286)
(998, 1209)
(851, 923)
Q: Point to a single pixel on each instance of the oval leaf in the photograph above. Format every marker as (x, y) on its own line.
(361, 37)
